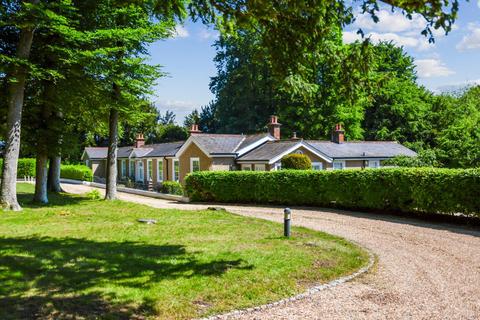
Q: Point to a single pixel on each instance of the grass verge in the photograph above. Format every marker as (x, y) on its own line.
(84, 258)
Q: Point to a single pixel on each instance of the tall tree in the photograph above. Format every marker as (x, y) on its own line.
(20, 19)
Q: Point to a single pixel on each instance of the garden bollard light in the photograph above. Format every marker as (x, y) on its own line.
(286, 222)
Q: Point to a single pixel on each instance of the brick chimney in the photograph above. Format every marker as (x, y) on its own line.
(338, 135)
(194, 129)
(139, 141)
(274, 127)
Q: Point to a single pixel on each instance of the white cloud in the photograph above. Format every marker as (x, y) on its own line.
(206, 34)
(478, 3)
(458, 86)
(428, 68)
(390, 22)
(180, 32)
(471, 40)
(412, 42)
(181, 108)
(392, 26)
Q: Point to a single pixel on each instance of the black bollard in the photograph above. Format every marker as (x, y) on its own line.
(286, 222)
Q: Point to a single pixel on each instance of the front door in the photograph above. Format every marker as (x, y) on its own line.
(140, 175)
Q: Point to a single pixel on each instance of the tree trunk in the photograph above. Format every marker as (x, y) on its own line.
(111, 188)
(53, 183)
(16, 92)
(41, 195)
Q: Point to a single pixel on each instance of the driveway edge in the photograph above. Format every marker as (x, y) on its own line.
(309, 292)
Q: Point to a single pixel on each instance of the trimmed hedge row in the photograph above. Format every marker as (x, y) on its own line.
(76, 172)
(26, 167)
(425, 190)
(171, 187)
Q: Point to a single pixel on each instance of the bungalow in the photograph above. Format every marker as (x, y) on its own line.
(260, 152)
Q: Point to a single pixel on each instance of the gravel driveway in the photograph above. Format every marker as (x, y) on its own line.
(424, 271)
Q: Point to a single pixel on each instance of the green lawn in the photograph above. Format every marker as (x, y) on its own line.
(82, 258)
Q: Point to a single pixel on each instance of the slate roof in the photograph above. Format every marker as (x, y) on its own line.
(124, 152)
(168, 149)
(268, 151)
(346, 150)
(219, 143)
(251, 139)
(96, 152)
(361, 149)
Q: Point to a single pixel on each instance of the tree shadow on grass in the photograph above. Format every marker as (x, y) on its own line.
(47, 278)
(55, 200)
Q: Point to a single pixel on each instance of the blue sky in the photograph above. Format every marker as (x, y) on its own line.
(452, 62)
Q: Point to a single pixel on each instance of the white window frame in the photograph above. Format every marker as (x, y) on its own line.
(257, 167)
(87, 163)
(298, 151)
(139, 165)
(174, 176)
(149, 169)
(342, 162)
(123, 168)
(131, 171)
(277, 166)
(159, 172)
(319, 164)
(376, 162)
(191, 163)
(246, 167)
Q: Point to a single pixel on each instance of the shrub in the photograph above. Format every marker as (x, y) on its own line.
(76, 172)
(171, 187)
(296, 161)
(26, 167)
(94, 195)
(428, 190)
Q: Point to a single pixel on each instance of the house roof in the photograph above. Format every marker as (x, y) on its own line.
(168, 149)
(124, 152)
(96, 152)
(251, 139)
(361, 149)
(218, 143)
(269, 150)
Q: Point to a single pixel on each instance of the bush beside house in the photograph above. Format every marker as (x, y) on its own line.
(171, 187)
(296, 161)
(425, 190)
(76, 172)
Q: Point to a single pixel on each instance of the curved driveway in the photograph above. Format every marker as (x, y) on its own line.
(424, 271)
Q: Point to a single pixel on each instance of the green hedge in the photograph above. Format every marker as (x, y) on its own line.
(296, 161)
(171, 187)
(426, 190)
(76, 172)
(26, 167)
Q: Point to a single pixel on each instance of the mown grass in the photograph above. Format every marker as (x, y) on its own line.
(82, 258)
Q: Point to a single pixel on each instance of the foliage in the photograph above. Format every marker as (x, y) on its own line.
(424, 190)
(92, 259)
(94, 195)
(171, 187)
(457, 136)
(169, 133)
(296, 161)
(26, 167)
(424, 158)
(76, 172)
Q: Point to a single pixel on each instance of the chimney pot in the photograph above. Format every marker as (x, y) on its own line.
(338, 135)
(139, 141)
(294, 136)
(274, 127)
(194, 129)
